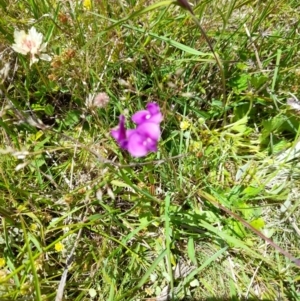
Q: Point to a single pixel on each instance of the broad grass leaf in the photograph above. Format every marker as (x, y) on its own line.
(191, 250)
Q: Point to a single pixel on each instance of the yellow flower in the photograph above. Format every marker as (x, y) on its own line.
(33, 227)
(87, 4)
(59, 247)
(184, 125)
(2, 262)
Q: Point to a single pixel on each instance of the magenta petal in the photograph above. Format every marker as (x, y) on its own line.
(149, 129)
(115, 134)
(151, 145)
(137, 145)
(123, 144)
(141, 116)
(152, 114)
(130, 132)
(122, 129)
(120, 133)
(157, 118)
(153, 108)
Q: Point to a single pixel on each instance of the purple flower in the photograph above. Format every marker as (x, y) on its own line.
(144, 138)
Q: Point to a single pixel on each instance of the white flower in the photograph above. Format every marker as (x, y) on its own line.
(30, 43)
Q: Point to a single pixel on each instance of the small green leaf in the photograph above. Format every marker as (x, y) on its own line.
(258, 223)
(258, 81)
(236, 228)
(144, 221)
(242, 66)
(72, 118)
(252, 191)
(210, 217)
(240, 82)
(120, 184)
(49, 110)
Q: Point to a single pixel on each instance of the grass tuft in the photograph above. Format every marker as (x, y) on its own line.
(213, 215)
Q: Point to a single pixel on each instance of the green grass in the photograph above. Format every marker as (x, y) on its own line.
(83, 220)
